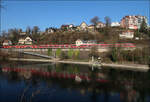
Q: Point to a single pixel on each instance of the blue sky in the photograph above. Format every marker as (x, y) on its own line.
(20, 14)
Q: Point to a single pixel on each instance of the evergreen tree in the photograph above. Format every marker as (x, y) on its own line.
(143, 26)
(49, 52)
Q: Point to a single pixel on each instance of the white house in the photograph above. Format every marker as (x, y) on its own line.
(100, 25)
(25, 40)
(23, 33)
(50, 30)
(91, 28)
(115, 24)
(127, 34)
(83, 26)
(81, 42)
(7, 42)
(71, 26)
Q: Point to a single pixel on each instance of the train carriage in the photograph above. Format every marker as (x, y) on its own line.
(74, 46)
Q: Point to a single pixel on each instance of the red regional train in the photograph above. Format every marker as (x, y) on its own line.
(125, 45)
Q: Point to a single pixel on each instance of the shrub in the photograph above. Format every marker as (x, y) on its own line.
(94, 52)
(58, 52)
(49, 52)
(63, 55)
(76, 54)
(141, 56)
(70, 53)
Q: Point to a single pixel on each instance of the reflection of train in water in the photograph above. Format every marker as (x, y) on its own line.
(53, 74)
(125, 45)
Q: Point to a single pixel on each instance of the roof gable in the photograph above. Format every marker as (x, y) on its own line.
(83, 24)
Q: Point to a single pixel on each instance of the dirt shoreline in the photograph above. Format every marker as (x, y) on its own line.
(116, 66)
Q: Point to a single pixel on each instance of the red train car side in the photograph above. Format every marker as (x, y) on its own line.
(73, 46)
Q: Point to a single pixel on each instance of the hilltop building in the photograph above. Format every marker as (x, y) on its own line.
(100, 25)
(132, 22)
(83, 27)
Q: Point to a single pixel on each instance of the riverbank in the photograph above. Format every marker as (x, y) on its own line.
(110, 65)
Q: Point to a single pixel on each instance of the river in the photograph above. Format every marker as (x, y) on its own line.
(51, 82)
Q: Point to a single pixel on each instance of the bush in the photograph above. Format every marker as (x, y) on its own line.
(115, 54)
(141, 56)
(76, 54)
(94, 52)
(58, 52)
(63, 55)
(49, 52)
(70, 53)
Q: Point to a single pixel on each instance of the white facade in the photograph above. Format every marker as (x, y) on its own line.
(81, 42)
(100, 25)
(26, 40)
(23, 33)
(133, 22)
(115, 24)
(83, 26)
(50, 31)
(21, 41)
(71, 26)
(91, 28)
(127, 35)
(7, 42)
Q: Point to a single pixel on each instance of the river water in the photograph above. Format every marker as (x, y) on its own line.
(50, 82)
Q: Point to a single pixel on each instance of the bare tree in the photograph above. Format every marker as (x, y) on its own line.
(28, 30)
(35, 34)
(19, 30)
(35, 30)
(13, 35)
(4, 34)
(107, 21)
(95, 20)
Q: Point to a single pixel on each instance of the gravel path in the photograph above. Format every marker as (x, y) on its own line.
(113, 65)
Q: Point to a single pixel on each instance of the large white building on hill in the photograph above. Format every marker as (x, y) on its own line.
(132, 22)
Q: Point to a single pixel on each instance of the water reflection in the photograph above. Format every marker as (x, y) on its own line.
(45, 81)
